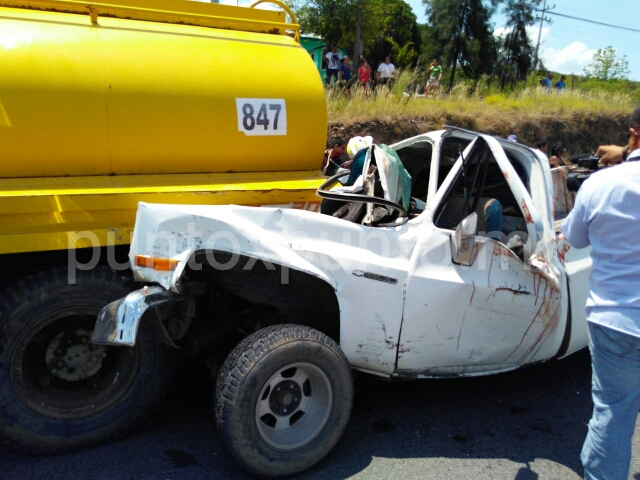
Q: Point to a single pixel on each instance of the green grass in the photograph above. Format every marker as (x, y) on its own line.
(484, 109)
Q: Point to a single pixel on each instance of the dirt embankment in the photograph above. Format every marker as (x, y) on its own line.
(580, 133)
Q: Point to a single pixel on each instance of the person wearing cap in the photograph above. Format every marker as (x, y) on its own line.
(512, 138)
(606, 217)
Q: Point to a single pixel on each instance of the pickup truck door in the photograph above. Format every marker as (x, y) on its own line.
(494, 315)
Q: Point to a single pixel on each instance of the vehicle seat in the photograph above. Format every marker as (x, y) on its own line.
(452, 213)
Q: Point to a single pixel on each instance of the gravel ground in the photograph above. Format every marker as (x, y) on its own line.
(523, 425)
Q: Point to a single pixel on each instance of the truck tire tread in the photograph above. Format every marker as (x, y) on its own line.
(243, 359)
(19, 297)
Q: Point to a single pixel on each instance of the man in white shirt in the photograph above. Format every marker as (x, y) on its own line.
(333, 64)
(542, 146)
(606, 217)
(386, 72)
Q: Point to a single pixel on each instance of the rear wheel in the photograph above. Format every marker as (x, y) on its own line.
(283, 399)
(60, 391)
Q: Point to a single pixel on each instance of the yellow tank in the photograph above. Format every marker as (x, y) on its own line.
(103, 106)
(106, 105)
(154, 87)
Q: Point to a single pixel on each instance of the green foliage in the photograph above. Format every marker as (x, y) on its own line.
(398, 23)
(462, 34)
(615, 86)
(517, 52)
(404, 55)
(430, 47)
(324, 18)
(334, 21)
(607, 65)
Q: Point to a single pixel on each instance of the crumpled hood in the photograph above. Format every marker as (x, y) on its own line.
(297, 239)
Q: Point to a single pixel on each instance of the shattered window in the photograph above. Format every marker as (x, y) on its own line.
(416, 158)
(476, 188)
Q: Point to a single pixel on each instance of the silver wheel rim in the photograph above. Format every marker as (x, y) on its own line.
(293, 406)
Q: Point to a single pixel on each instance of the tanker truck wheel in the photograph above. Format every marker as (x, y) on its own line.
(283, 399)
(60, 391)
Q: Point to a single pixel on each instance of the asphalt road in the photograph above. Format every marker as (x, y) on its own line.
(524, 425)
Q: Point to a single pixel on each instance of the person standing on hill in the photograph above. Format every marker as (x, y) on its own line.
(333, 58)
(547, 82)
(606, 217)
(560, 84)
(364, 75)
(435, 77)
(386, 72)
(344, 74)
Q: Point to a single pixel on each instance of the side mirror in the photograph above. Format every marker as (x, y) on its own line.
(464, 247)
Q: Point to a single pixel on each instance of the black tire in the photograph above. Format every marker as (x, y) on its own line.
(262, 363)
(59, 392)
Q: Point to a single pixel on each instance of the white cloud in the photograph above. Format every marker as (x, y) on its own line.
(532, 33)
(571, 59)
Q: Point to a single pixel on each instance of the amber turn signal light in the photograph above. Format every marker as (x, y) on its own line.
(160, 264)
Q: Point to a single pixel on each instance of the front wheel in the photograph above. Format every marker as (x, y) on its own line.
(60, 391)
(283, 399)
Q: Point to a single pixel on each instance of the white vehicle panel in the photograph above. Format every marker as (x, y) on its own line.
(353, 259)
(497, 314)
(405, 308)
(577, 264)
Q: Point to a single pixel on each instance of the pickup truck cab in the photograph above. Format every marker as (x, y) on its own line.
(301, 298)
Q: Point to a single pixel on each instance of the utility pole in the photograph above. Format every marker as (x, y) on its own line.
(542, 20)
(358, 47)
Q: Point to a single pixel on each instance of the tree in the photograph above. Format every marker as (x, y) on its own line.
(462, 33)
(403, 54)
(365, 24)
(607, 65)
(430, 48)
(387, 19)
(358, 43)
(517, 51)
(325, 18)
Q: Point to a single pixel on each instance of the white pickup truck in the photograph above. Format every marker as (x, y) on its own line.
(295, 300)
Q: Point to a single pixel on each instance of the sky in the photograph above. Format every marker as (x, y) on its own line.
(568, 45)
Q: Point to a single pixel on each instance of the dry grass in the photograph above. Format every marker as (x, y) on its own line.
(488, 112)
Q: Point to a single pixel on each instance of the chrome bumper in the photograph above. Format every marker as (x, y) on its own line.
(118, 322)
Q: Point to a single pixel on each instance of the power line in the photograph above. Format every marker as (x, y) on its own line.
(564, 15)
(542, 20)
(592, 21)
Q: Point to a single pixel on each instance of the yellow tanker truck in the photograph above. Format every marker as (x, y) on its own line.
(103, 105)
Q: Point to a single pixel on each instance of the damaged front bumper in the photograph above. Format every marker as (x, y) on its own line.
(118, 322)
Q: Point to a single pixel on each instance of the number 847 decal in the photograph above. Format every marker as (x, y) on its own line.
(262, 116)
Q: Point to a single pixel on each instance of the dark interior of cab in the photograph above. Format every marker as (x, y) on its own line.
(479, 183)
(456, 205)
